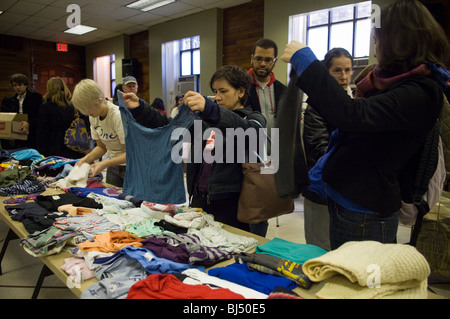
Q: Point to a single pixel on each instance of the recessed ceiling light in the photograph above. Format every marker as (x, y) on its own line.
(80, 29)
(147, 5)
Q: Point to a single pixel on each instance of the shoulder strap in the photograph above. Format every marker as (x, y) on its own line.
(428, 163)
(427, 166)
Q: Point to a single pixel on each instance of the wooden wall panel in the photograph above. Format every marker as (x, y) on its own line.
(15, 58)
(46, 57)
(139, 49)
(21, 55)
(45, 54)
(243, 25)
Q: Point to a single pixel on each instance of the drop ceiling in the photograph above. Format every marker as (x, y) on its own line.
(47, 19)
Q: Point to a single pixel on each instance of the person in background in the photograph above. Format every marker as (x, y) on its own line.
(23, 102)
(213, 187)
(158, 104)
(265, 93)
(266, 90)
(106, 129)
(130, 85)
(178, 102)
(379, 135)
(55, 117)
(316, 134)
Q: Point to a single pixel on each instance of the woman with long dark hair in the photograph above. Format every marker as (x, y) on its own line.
(378, 135)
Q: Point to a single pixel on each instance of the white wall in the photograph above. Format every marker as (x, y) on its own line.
(209, 25)
(118, 45)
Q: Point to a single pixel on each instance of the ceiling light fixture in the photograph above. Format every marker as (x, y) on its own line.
(80, 29)
(147, 5)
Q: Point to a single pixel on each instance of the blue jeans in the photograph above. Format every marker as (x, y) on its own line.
(347, 225)
(317, 224)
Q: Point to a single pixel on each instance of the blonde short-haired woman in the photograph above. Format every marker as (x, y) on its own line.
(106, 130)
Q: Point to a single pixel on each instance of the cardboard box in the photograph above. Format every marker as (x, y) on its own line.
(10, 124)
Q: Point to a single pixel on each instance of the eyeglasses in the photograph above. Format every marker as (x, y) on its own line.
(339, 72)
(259, 60)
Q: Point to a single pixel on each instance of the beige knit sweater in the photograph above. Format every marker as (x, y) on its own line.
(369, 269)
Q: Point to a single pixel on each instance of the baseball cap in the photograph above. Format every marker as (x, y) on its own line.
(129, 79)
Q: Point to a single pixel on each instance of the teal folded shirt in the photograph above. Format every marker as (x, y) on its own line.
(298, 253)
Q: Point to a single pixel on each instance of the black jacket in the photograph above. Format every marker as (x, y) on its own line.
(380, 134)
(316, 134)
(31, 105)
(53, 122)
(291, 178)
(225, 178)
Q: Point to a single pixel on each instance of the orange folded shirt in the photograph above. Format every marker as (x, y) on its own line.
(111, 242)
(75, 210)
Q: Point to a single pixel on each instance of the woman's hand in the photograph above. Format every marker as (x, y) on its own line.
(290, 49)
(130, 99)
(81, 161)
(195, 101)
(96, 169)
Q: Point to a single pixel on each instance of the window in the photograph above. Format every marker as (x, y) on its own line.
(180, 61)
(347, 26)
(190, 56)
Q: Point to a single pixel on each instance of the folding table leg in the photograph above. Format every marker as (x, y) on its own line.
(10, 236)
(44, 273)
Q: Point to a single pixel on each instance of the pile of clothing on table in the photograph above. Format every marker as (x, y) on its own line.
(139, 249)
(16, 174)
(123, 241)
(27, 172)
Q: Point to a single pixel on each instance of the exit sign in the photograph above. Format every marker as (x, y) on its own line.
(62, 47)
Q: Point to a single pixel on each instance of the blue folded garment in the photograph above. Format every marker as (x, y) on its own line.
(240, 274)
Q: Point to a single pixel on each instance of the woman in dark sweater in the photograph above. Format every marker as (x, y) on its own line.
(378, 135)
(54, 118)
(316, 133)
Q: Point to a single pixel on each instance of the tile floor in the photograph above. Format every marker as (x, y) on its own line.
(21, 271)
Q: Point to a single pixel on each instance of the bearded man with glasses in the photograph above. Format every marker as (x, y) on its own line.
(265, 93)
(266, 90)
